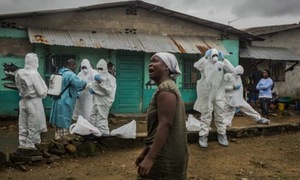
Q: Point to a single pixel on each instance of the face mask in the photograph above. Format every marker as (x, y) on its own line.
(215, 59)
(100, 71)
(238, 75)
(85, 71)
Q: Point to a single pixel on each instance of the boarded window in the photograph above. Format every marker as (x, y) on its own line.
(55, 62)
(277, 71)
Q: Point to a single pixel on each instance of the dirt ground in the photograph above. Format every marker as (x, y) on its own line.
(263, 157)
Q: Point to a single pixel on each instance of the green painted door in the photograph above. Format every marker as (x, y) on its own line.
(129, 83)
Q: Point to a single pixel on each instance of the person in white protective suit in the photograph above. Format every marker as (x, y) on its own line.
(234, 98)
(211, 94)
(84, 102)
(32, 89)
(103, 89)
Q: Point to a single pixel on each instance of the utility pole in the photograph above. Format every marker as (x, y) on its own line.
(232, 21)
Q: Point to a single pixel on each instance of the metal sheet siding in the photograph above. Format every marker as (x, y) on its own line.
(269, 53)
(118, 41)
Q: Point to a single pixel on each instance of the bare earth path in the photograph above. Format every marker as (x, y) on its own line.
(264, 157)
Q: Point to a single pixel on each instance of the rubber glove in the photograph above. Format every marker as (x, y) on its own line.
(237, 86)
(221, 55)
(78, 94)
(91, 91)
(207, 53)
(98, 78)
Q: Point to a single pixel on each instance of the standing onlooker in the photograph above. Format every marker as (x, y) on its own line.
(112, 69)
(234, 98)
(32, 89)
(84, 102)
(211, 95)
(166, 153)
(255, 76)
(265, 92)
(103, 89)
(62, 108)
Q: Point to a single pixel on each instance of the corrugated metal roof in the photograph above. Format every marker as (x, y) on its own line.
(189, 43)
(133, 42)
(258, 31)
(213, 43)
(268, 53)
(143, 5)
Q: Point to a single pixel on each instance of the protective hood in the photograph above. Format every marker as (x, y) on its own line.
(102, 64)
(31, 61)
(171, 61)
(86, 63)
(239, 70)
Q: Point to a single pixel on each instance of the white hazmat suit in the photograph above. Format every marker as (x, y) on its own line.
(84, 102)
(103, 89)
(32, 89)
(234, 98)
(211, 94)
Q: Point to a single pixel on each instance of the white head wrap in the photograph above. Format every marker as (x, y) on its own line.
(171, 61)
(31, 61)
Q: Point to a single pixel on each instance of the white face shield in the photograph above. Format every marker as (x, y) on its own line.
(31, 61)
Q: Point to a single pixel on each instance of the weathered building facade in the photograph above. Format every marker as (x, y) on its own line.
(280, 53)
(124, 33)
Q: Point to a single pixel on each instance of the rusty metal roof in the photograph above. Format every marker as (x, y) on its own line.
(268, 53)
(122, 41)
(258, 31)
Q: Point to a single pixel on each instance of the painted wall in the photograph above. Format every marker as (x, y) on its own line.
(9, 98)
(14, 45)
(291, 86)
(232, 46)
(288, 39)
